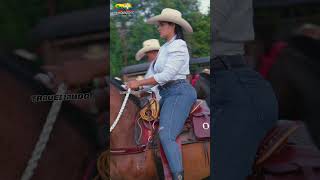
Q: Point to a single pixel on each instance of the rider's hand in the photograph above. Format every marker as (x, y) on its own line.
(133, 85)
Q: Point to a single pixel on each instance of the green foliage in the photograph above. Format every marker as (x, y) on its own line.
(115, 50)
(134, 30)
(199, 42)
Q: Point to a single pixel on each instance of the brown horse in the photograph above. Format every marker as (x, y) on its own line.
(72, 142)
(139, 162)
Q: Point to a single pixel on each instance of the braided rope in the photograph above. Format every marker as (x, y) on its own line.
(121, 110)
(44, 136)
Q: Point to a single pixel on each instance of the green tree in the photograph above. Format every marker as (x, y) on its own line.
(115, 50)
(199, 40)
(135, 30)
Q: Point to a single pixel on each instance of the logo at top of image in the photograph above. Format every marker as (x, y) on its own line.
(126, 6)
(122, 8)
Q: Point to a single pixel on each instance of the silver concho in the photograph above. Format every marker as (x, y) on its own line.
(205, 125)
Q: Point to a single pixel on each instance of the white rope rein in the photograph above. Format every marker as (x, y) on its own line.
(121, 110)
(44, 136)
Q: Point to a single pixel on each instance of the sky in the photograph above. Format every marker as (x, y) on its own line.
(204, 6)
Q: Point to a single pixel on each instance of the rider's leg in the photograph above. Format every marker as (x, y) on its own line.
(176, 105)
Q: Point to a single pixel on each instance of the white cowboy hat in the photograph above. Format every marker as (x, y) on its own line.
(206, 70)
(138, 78)
(148, 45)
(171, 15)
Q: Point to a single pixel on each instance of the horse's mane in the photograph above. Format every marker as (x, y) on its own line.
(118, 84)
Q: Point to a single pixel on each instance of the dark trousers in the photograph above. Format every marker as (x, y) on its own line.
(243, 108)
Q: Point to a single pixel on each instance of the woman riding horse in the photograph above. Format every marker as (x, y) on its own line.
(170, 72)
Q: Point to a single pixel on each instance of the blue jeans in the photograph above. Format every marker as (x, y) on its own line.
(176, 102)
(243, 108)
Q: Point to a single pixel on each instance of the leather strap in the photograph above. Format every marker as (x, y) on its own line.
(130, 150)
(228, 62)
(170, 83)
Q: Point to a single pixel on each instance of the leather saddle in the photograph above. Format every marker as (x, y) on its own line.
(198, 121)
(278, 160)
(275, 139)
(291, 162)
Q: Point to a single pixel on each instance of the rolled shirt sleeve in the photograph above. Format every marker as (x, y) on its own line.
(177, 57)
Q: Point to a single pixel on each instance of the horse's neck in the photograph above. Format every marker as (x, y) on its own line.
(123, 134)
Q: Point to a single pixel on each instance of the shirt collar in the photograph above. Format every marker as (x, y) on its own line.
(172, 39)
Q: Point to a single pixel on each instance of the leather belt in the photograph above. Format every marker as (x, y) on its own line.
(170, 83)
(228, 62)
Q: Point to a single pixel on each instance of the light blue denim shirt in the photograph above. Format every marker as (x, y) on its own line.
(172, 62)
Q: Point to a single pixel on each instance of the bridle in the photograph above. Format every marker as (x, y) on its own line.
(129, 150)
